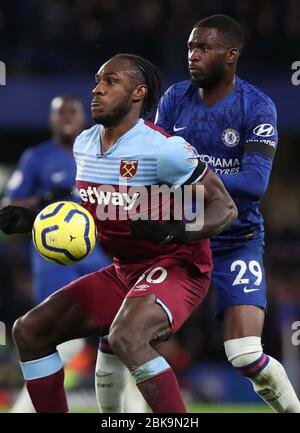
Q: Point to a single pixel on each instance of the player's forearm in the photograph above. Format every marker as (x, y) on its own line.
(245, 184)
(252, 181)
(219, 215)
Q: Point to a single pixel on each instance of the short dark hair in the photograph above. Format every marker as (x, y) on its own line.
(65, 98)
(151, 76)
(230, 29)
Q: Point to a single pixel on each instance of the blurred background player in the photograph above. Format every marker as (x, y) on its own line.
(232, 124)
(46, 173)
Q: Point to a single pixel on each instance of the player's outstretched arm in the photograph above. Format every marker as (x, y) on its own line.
(17, 219)
(220, 211)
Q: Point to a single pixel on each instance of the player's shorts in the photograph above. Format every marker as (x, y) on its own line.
(49, 277)
(238, 276)
(179, 288)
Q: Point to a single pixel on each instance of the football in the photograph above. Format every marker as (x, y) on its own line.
(64, 233)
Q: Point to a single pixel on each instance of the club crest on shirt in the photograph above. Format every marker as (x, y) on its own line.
(230, 137)
(128, 168)
(190, 149)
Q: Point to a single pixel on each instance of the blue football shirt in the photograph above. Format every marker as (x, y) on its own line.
(44, 168)
(237, 137)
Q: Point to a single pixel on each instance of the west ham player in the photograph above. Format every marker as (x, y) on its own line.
(46, 173)
(156, 279)
(232, 124)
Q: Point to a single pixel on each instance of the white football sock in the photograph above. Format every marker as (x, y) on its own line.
(23, 403)
(274, 387)
(69, 349)
(271, 382)
(110, 383)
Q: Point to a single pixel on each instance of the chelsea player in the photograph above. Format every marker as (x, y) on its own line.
(232, 124)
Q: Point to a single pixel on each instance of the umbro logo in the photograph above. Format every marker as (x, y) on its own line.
(141, 287)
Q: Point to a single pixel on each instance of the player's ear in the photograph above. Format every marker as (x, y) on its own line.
(232, 55)
(139, 92)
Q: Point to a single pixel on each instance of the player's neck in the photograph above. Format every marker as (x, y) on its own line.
(111, 134)
(218, 92)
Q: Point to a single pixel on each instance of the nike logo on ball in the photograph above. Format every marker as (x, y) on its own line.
(178, 129)
(245, 290)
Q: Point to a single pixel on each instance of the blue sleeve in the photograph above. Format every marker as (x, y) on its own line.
(178, 163)
(166, 111)
(260, 140)
(23, 182)
(252, 181)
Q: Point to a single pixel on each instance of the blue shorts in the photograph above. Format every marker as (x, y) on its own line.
(238, 276)
(49, 277)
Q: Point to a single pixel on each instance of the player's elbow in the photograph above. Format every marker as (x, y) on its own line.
(232, 212)
(226, 215)
(229, 209)
(228, 212)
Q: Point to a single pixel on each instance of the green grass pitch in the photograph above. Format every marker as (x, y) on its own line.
(210, 408)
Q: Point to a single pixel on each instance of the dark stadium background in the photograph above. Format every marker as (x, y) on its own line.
(54, 47)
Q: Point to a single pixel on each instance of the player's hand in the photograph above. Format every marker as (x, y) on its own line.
(17, 219)
(159, 233)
